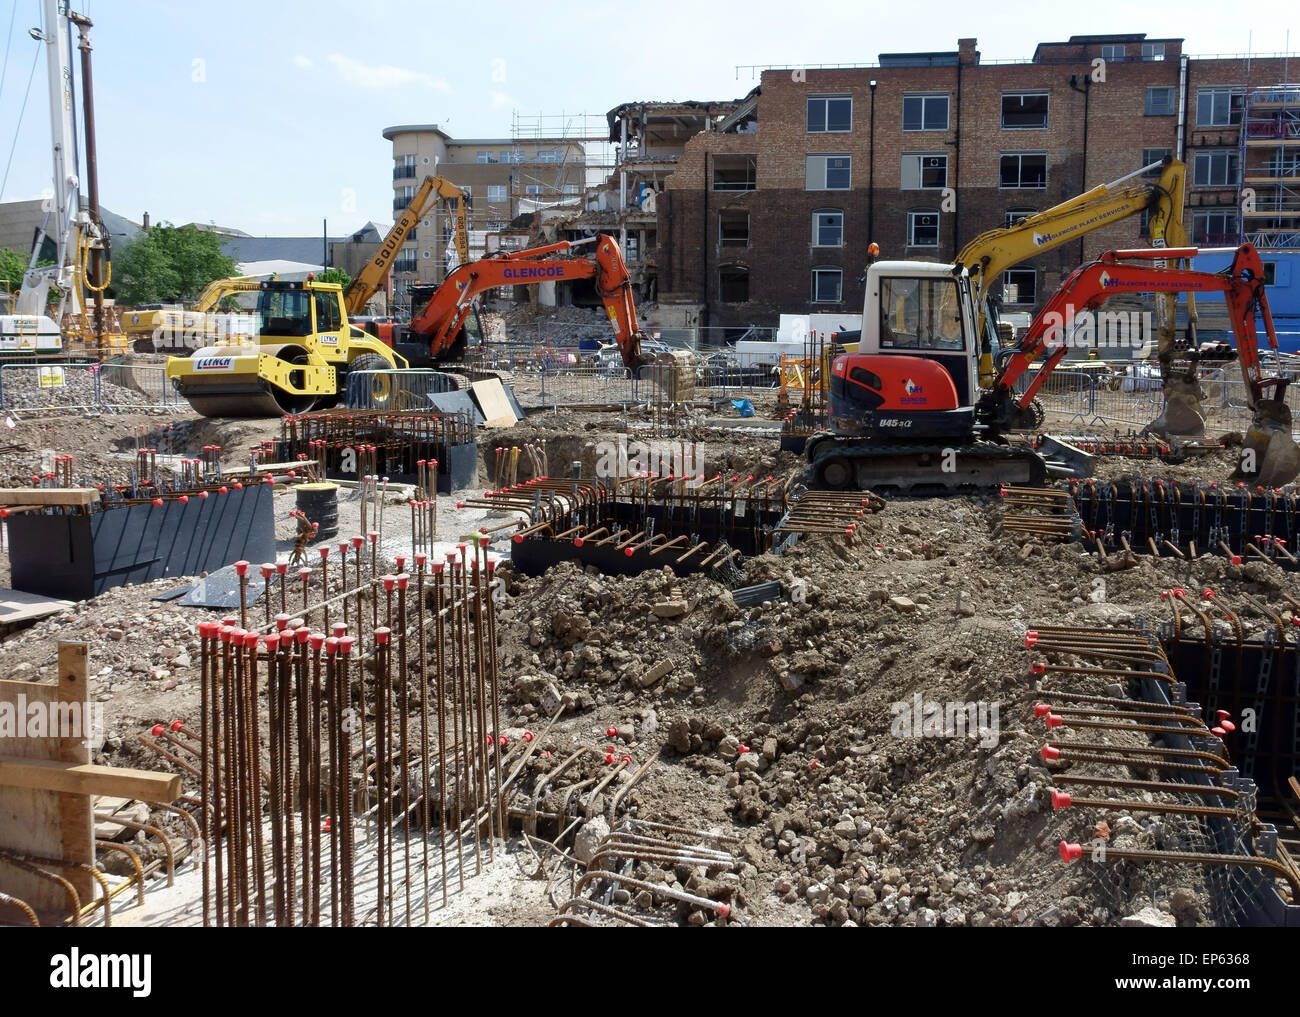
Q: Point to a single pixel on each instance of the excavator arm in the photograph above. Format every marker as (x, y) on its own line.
(994, 251)
(371, 278)
(441, 319)
(1273, 454)
(219, 289)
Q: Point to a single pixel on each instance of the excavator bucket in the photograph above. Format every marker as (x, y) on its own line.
(1183, 416)
(1269, 454)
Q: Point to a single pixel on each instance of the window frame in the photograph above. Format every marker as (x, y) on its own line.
(1229, 217)
(925, 98)
(738, 270)
(1012, 216)
(825, 172)
(921, 168)
(1147, 160)
(817, 227)
(1212, 92)
(723, 243)
(502, 189)
(1022, 93)
(486, 157)
(1021, 269)
(826, 99)
(1152, 52)
(1110, 57)
(1021, 186)
(1208, 156)
(911, 226)
(750, 182)
(838, 272)
(1169, 90)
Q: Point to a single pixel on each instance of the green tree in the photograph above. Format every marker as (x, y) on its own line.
(13, 266)
(169, 264)
(335, 275)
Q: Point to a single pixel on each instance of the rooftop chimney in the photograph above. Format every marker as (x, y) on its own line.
(967, 54)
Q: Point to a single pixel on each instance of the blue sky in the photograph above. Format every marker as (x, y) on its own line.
(267, 116)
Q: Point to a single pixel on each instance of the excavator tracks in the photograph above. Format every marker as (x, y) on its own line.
(846, 464)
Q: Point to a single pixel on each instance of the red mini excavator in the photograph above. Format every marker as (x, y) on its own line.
(907, 411)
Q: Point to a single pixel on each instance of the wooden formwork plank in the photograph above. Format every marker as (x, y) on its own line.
(48, 495)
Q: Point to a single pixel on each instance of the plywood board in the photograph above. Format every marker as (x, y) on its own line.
(48, 495)
(49, 824)
(17, 608)
(494, 403)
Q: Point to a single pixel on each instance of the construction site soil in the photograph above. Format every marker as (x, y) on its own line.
(773, 722)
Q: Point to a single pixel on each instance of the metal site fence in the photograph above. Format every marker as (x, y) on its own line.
(1089, 400)
(33, 389)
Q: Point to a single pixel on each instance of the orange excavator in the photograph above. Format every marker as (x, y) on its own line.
(906, 410)
(439, 331)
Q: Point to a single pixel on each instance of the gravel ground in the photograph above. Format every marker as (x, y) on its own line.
(840, 821)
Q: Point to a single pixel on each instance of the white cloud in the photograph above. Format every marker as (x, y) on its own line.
(500, 100)
(302, 63)
(383, 75)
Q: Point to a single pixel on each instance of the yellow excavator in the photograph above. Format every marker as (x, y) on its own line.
(371, 278)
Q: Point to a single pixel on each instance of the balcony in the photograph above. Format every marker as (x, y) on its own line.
(404, 172)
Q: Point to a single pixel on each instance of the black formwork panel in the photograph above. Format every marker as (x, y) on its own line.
(746, 532)
(76, 557)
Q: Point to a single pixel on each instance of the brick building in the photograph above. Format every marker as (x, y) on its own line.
(772, 209)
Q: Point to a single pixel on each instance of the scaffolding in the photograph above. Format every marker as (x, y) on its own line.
(587, 132)
(1269, 152)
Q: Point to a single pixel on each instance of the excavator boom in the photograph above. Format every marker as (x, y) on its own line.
(1270, 455)
(371, 278)
(440, 321)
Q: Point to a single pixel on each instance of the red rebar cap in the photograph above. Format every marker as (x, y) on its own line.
(420, 559)
(1227, 725)
(331, 646)
(268, 570)
(272, 641)
(1061, 800)
(358, 541)
(628, 551)
(1031, 640)
(230, 619)
(1236, 559)
(1041, 709)
(317, 640)
(203, 494)
(238, 486)
(373, 535)
(282, 568)
(1054, 720)
(437, 567)
(157, 730)
(1038, 667)
(1218, 732)
(345, 644)
(343, 547)
(504, 741)
(609, 757)
(208, 630)
(1070, 852)
(528, 736)
(401, 562)
(491, 565)
(381, 634)
(251, 639)
(157, 503)
(403, 579)
(1049, 753)
(301, 633)
(176, 725)
(241, 568)
(339, 628)
(184, 499)
(226, 632)
(389, 582)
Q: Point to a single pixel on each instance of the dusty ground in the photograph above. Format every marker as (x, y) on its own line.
(840, 821)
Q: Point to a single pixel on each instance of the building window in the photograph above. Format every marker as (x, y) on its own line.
(733, 228)
(925, 112)
(828, 228)
(830, 114)
(550, 155)
(1015, 216)
(1113, 54)
(1214, 228)
(1153, 51)
(571, 189)
(923, 228)
(827, 173)
(1025, 281)
(404, 262)
(735, 172)
(1151, 156)
(486, 157)
(1160, 101)
(827, 285)
(405, 168)
(924, 170)
(1022, 111)
(1023, 169)
(497, 194)
(1216, 168)
(733, 284)
(514, 156)
(1218, 107)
